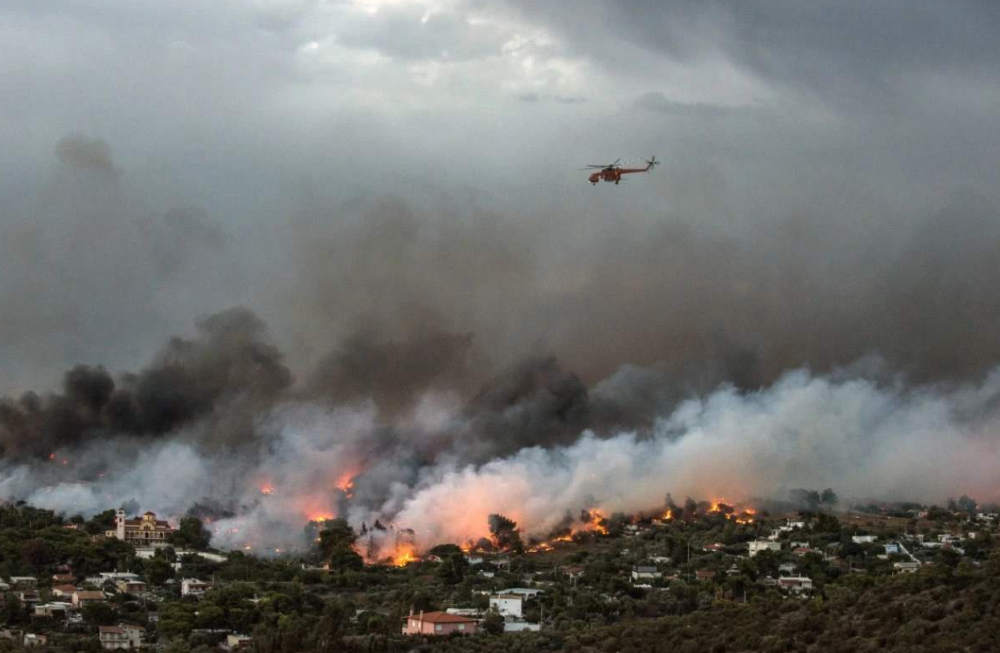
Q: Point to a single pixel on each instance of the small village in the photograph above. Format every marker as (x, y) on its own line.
(142, 583)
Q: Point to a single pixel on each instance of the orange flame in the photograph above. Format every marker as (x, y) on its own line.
(404, 555)
(266, 489)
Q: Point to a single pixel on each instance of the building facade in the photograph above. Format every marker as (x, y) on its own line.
(438, 623)
(141, 531)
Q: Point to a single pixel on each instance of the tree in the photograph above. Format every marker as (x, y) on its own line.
(98, 613)
(191, 534)
(505, 534)
(829, 498)
(158, 571)
(336, 545)
(493, 623)
(36, 552)
(452, 569)
(443, 550)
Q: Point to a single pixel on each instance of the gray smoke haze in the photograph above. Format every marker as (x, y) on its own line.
(342, 251)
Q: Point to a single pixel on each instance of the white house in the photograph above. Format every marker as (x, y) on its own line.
(864, 539)
(795, 584)
(520, 626)
(906, 567)
(194, 587)
(508, 605)
(124, 636)
(645, 573)
(762, 545)
(526, 592)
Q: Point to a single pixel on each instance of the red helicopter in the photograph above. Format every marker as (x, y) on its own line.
(613, 172)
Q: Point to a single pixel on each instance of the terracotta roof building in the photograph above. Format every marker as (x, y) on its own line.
(141, 531)
(438, 623)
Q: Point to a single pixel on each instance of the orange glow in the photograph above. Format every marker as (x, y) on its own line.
(266, 489)
(52, 456)
(320, 517)
(345, 482)
(404, 555)
(595, 525)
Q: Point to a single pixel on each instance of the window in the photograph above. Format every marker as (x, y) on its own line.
(437, 627)
(461, 626)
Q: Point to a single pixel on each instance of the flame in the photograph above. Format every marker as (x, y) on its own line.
(267, 489)
(320, 517)
(595, 524)
(404, 555)
(345, 482)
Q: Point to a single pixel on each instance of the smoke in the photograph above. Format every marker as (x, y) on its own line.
(523, 446)
(430, 365)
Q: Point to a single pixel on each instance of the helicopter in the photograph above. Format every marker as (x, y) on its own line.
(614, 171)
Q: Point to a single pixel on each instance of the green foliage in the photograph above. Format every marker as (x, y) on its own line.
(336, 545)
(98, 613)
(506, 537)
(191, 534)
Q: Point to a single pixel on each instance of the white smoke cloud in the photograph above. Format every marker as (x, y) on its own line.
(862, 437)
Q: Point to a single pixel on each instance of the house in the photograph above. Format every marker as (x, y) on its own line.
(438, 623)
(122, 636)
(892, 548)
(141, 531)
(465, 612)
(906, 567)
(526, 592)
(29, 597)
(803, 551)
(31, 639)
(795, 584)
(236, 642)
(64, 591)
(714, 548)
(194, 587)
(573, 572)
(786, 569)
(24, 582)
(659, 560)
(520, 626)
(131, 586)
(508, 605)
(757, 546)
(51, 611)
(863, 539)
(705, 574)
(83, 597)
(63, 579)
(643, 572)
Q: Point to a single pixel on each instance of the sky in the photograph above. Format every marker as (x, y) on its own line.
(354, 236)
(216, 150)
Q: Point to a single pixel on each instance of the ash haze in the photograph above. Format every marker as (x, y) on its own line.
(302, 244)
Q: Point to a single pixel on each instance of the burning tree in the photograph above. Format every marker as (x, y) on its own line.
(505, 535)
(336, 545)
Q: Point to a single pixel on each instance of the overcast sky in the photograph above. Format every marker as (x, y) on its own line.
(828, 190)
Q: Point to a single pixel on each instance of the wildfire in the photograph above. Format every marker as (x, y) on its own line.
(345, 482)
(595, 521)
(404, 555)
(320, 517)
(267, 489)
